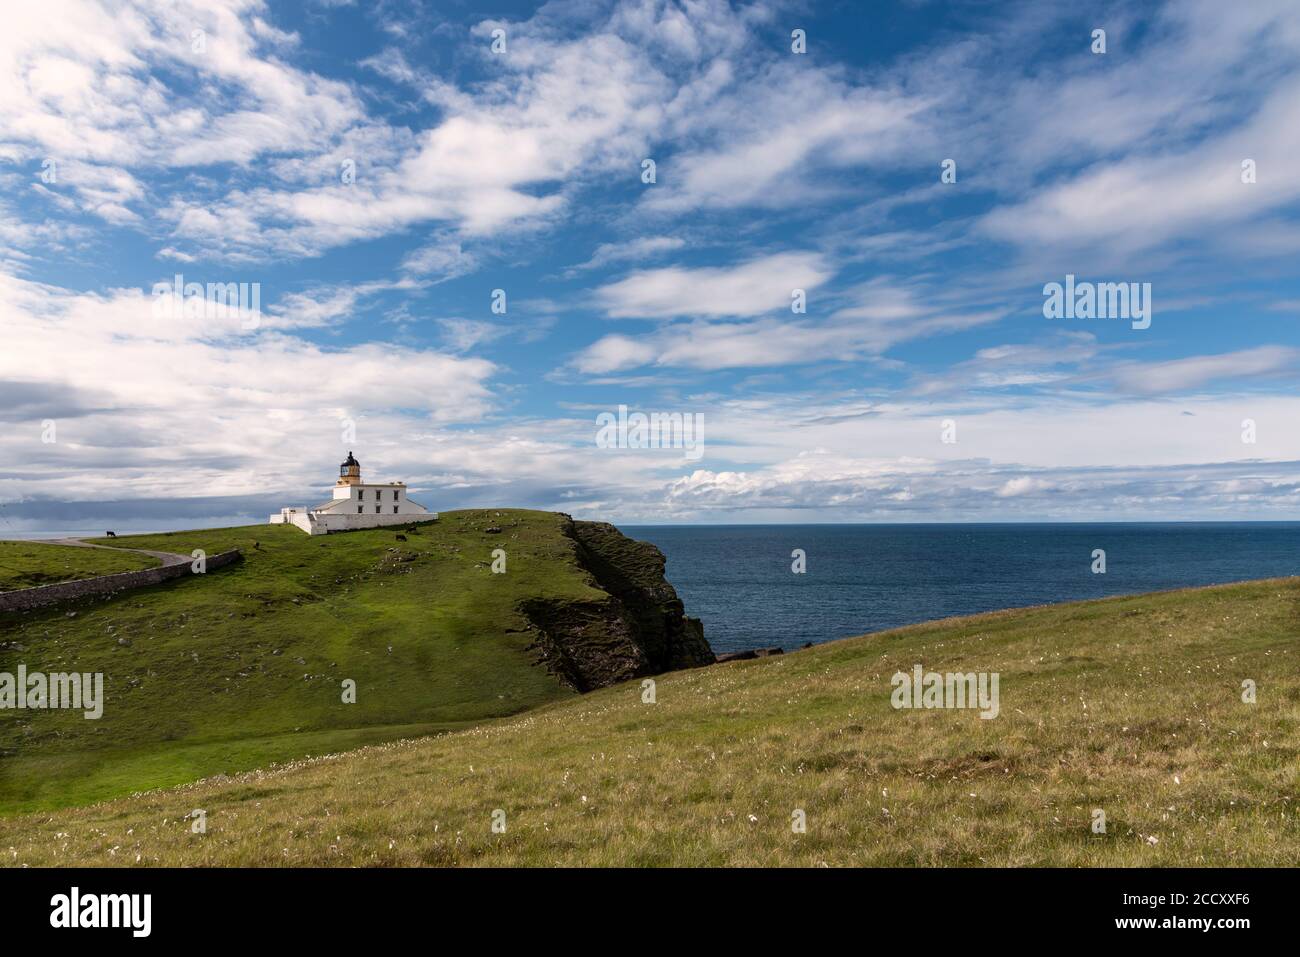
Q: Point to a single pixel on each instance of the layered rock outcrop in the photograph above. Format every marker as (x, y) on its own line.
(638, 628)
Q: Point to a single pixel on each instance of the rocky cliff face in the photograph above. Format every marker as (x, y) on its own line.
(639, 628)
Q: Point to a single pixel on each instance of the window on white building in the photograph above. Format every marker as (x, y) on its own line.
(360, 509)
(394, 509)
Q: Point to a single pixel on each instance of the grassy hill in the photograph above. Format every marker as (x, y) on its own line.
(1130, 705)
(244, 666)
(28, 564)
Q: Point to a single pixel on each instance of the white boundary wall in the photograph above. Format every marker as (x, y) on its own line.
(322, 523)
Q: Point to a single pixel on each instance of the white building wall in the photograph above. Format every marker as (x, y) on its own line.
(341, 514)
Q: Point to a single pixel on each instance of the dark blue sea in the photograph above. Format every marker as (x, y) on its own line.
(862, 578)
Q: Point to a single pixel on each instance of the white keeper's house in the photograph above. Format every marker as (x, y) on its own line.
(355, 505)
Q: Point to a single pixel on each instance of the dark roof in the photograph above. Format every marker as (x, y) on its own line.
(350, 461)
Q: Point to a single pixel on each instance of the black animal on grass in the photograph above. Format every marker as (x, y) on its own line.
(112, 534)
(401, 538)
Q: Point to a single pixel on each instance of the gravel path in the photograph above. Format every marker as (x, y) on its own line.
(167, 558)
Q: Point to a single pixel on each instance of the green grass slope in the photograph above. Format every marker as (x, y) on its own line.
(28, 564)
(1129, 705)
(242, 667)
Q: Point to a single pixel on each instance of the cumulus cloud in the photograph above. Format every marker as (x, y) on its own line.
(79, 82)
(178, 405)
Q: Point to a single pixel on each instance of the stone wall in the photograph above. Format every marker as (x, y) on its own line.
(42, 595)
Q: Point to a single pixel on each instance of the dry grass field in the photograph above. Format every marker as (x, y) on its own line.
(1132, 706)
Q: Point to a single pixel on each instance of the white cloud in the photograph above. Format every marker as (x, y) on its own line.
(761, 139)
(461, 335)
(171, 396)
(1163, 134)
(633, 250)
(615, 353)
(504, 155)
(1023, 485)
(1015, 364)
(884, 314)
(1176, 375)
(760, 285)
(326, 305)
(1045, 459)
(76, 83)
(441, 259)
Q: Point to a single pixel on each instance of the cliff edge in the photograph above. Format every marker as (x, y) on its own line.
(639, 628)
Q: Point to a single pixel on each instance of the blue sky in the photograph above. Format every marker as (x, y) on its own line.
(212, 139)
